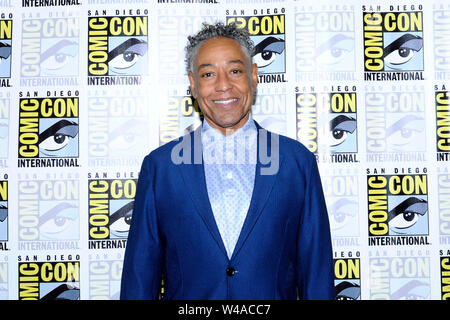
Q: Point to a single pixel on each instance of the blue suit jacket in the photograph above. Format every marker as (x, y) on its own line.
(283, 251)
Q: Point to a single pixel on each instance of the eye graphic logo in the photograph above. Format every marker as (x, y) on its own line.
(336, 53)
(117, 127)
(408, 216)
(401, 134)
(5, 58)
(269, 54)
(347, 279)
(111, 204)
(4, 128)
(49, 280)
(117, 46)
(50, 48)
(58, 220)
(398, 206)
(125, 56)
(5, 48)
(327, 123)
(57, 138)
(59, 57)
(403, 51)
(268, 35)
(402, 278)
(393, 42)
(48, 128)
(3, 210)
(55, 210)
(343, 216)
(325, 43)
(395, 125)
(341, 133)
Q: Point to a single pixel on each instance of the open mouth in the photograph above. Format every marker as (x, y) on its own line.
(228, 101)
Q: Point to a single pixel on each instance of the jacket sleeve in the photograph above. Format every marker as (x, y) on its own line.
(142, 266)
(315, 277)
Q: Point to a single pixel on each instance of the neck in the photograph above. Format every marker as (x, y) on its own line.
(227, 131)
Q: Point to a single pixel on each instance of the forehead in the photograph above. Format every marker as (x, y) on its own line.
(218, 50)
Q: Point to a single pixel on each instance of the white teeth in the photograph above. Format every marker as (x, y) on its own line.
(225, 101)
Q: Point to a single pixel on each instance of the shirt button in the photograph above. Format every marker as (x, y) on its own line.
(230, 271)
(230, 175)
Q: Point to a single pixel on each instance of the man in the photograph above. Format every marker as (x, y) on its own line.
(215, 216)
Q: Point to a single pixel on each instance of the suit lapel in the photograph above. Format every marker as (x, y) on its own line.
(261, 190)
(194, 177)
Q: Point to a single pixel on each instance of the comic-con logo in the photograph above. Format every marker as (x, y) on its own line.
(442, 124)
(48, 212)
(269, 109)
(5, 49)
(117, 48)
(445, 275)
(327, 124)
(48, 131)
(179, 115)
(4, 130)
(402, 277)
(49, 54)
(3, 213)
(118, 127)
(341, 190)
(325, 43)
(395, 123)
(268, 34)
(347, 278)
(49, 280)
(4, 288)
(110, 210)
(393, 44)
(105, 273)
(441, 41)
(398, 207)
(443, 191)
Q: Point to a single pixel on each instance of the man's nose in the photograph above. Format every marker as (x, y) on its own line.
(223, 83)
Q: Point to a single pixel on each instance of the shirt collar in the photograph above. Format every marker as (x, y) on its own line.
(211, 135)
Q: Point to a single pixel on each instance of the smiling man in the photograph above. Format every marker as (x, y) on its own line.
(223, 82)
(223, 227)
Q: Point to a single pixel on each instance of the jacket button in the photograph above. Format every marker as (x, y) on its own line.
(230, 271)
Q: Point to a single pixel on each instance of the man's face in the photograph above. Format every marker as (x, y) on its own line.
(223, 82)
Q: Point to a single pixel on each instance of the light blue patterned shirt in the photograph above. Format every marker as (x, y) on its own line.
(229, 163)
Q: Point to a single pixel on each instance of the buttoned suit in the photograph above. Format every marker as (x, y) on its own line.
(283, 250)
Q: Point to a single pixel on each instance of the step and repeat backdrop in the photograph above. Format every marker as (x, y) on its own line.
(89, 87)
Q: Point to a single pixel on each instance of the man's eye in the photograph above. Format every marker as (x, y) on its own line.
(206, 75)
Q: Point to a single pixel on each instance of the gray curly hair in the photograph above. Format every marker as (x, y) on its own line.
(218, 29)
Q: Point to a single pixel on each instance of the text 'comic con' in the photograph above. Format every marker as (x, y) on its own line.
(88, 88)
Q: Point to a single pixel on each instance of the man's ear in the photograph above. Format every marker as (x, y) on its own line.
(192, 84)
(254, 76)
